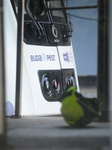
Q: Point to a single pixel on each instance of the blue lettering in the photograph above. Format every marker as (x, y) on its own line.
(36, 57)
(42, 58)
(51, 57)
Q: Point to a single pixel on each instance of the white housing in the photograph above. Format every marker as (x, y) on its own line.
(33, 101)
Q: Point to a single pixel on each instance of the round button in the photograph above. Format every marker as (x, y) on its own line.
(55, 84)
(72, 81)
(68, 83)
(47, 84)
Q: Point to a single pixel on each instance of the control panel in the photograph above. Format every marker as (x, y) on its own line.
(68, 78)
(51, 84)
(55, 82)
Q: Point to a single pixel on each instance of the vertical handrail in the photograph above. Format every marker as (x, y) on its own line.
(102, 77)
(110, 68)
(2, 80)
(20, 30)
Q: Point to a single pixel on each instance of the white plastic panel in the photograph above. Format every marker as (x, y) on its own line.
(66, 57)
(41, 57)
(37, 58)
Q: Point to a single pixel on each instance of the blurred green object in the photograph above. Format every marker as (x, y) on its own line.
(77, 110)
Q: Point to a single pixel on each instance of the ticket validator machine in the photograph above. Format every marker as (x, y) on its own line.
(48, 60)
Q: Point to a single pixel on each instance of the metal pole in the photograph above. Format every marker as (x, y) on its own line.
(102, 77)
(20, 30)
(69, 8)
(110, 68)
(2, 80)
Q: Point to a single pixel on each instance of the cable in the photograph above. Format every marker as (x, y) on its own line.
(85, 18)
